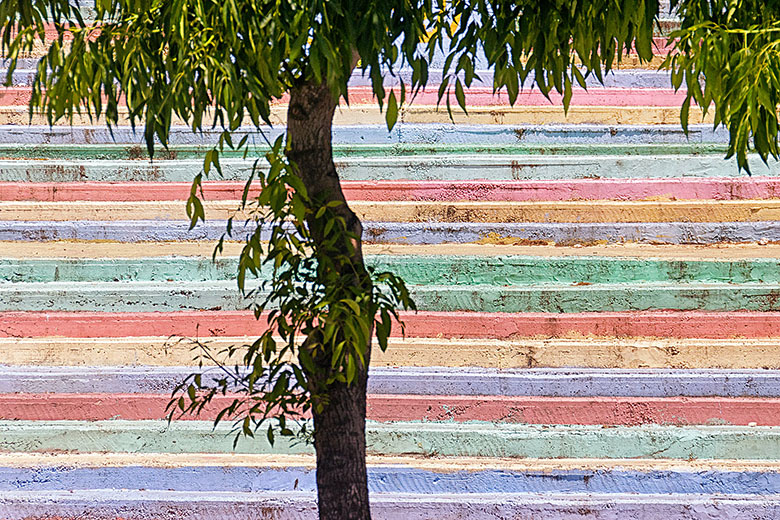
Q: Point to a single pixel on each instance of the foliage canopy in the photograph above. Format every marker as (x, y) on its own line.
(222, 63)
(727, 55)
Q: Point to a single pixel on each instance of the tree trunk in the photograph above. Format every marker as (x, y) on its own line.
(340, 428)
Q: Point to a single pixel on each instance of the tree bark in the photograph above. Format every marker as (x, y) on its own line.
(340, 428)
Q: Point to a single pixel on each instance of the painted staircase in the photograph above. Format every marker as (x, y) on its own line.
(598, 335)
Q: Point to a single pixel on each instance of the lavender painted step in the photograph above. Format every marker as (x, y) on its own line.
(296, 505)
(429, 381)
(134, 152)
(571, 233)
(25, 72)
(409, 233)
(391, 479)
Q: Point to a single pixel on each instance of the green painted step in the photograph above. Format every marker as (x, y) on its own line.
(223, 295)
(416, 270)
(475, 439)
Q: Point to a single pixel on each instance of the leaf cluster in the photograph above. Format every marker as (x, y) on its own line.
(554, 44)
(224, 62)
(322, 306)
(727, 54)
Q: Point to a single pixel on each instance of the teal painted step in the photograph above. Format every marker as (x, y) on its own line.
(415, 270)
(223, 295)
(427, 439)
(453, 167)
(139, 152)
(402, 134)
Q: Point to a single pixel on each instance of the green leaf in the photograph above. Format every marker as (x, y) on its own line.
(567, 93)
(352, 304)
(351, 369)
(460, 95)
(392, 111)
(685, 115)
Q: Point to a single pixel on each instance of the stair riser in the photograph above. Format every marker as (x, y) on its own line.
(512, 410)
(184, 296)
(432, 381)
(385, 507)
(414, 212)
(413, 232)
(415, 270)
(444, 168)
(204, 324)
(432, 134)
(385, 479)
(550, 353)
(427, 439)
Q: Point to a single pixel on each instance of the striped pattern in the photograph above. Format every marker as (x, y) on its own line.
(597, 337)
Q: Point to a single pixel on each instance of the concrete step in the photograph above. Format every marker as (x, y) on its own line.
(430, 381)
(476, 439)
(443, 167)
(593, 352)
(413, 233)
(560, 298)
(476, 115)
(724, 188)
(389, 479)
(47, 251)
(294, 505)
(414, 269)
(504, 212)
(485, 142)
(623, 91)
(422, 324)
(606, 411)
(404, 133)
(631, 74)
